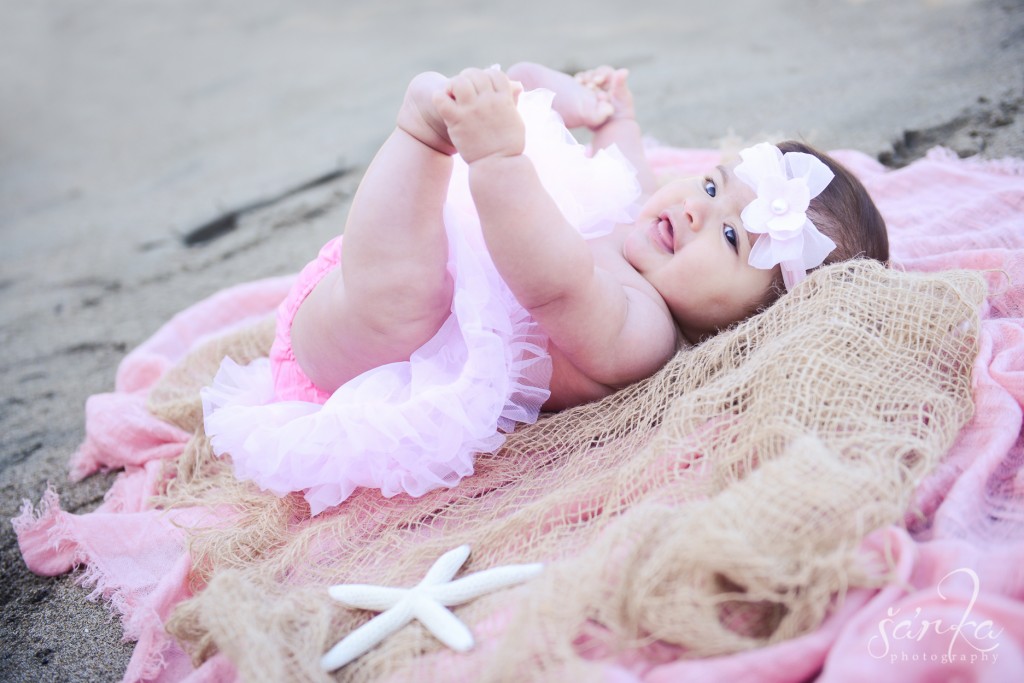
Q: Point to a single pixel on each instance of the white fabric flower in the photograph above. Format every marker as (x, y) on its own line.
(785, 185)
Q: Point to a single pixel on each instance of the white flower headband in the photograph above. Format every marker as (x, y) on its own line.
(785, 185)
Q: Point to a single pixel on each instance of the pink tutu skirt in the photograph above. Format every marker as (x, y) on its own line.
(414, 426)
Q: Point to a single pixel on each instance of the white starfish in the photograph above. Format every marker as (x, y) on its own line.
(425, 601)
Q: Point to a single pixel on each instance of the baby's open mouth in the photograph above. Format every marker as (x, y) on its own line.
(666, 232)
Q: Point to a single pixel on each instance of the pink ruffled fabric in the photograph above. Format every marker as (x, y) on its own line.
(134, 556)
(943, 213)
(415, 426)
(290, 382)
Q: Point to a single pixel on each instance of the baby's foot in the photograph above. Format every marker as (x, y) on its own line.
(609, 84)
(578, 105)
(479, 108)
(419, 117)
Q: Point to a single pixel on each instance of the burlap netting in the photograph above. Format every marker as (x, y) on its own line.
(715, 507)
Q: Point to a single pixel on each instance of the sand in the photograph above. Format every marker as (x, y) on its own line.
(153, 153)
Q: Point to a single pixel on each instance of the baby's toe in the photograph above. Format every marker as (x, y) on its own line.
(600, 113)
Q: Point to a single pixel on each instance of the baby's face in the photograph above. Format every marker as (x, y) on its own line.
(689, 243)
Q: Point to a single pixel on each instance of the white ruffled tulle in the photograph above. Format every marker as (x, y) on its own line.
(415, 426)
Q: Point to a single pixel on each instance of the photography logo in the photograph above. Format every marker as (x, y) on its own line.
(965, 640)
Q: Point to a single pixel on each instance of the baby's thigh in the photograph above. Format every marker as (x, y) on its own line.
(337, 334)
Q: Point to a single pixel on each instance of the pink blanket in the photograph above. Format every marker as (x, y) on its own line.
(956, 610)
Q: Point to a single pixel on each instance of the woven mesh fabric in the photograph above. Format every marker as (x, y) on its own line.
(715, 507)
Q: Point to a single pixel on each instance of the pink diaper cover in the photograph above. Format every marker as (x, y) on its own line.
(414, 426)
(290, 382)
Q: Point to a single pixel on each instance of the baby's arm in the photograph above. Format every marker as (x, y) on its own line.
(613, 334)
(621, 128)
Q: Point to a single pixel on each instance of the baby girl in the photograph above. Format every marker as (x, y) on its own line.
(491, 269)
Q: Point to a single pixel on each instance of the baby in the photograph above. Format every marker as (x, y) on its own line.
(446, 317)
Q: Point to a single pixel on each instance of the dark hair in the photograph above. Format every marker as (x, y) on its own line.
(845, 212)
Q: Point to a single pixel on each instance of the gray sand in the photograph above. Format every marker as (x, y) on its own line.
(125, 127)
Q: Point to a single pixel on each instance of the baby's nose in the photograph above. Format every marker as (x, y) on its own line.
(696, 213)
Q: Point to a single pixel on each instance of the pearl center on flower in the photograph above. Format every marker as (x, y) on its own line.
(779, 206)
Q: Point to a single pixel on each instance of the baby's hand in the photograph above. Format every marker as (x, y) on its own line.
(610, 85)
(479, 108)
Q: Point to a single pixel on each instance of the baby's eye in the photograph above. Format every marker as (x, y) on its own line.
(730, 234)
(709, 187)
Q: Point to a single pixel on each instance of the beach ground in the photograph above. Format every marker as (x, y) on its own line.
(154, 153)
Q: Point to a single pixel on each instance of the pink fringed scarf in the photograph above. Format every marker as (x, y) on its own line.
(943, 213)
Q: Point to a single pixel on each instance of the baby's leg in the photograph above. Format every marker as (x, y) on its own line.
(393, 290)
(578, 105)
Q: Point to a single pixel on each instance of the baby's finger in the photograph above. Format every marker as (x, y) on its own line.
(445, 105)
(499, 81)
(461, 87)
(481, 79)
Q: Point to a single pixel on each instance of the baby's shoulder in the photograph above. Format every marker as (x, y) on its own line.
(648, 332)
